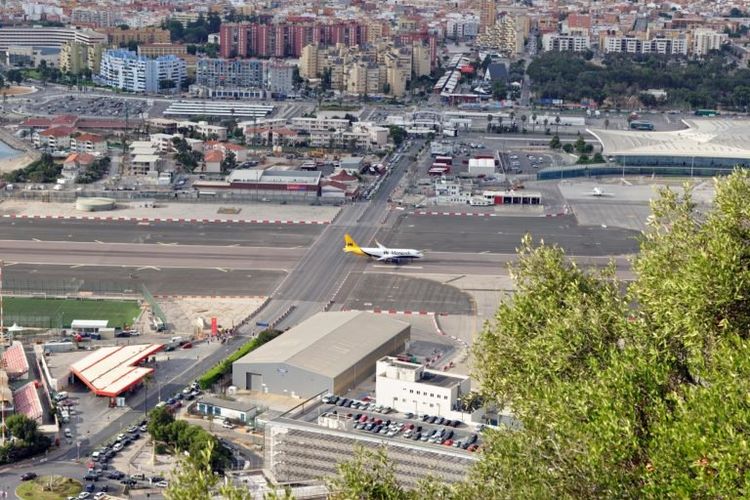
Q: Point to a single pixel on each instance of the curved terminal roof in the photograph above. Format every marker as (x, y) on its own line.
(715, 138)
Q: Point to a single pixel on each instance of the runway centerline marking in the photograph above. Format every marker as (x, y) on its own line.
(36, 239)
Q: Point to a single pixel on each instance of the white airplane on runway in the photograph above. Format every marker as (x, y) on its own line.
(599, 193)
(381, 253)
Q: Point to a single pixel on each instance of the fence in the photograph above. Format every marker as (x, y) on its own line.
(155, 308)
(17, 285)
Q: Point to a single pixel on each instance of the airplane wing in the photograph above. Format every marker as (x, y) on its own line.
(385, 257)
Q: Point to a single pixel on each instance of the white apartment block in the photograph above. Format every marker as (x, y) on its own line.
(410, 387)
(460, 26)
(668, 46)
(565, 43)
(705, 40)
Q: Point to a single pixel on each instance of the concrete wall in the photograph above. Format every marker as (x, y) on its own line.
(280, 378)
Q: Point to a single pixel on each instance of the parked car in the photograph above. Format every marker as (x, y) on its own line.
(28, 476)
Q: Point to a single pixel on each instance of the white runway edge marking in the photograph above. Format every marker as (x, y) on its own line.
(396, 268)
(148, 267)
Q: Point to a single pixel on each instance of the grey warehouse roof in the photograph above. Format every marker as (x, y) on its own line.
(714, 138)
(328, 343)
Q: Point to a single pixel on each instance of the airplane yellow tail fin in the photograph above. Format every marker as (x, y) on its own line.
(351, 246)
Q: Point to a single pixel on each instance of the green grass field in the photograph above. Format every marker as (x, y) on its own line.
(26, 310)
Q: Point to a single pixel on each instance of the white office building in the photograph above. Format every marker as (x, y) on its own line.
(705, 40)
(125, 70)
(410, 387)
(38, 36)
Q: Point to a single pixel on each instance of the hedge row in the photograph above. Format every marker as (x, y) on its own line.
(224, 366)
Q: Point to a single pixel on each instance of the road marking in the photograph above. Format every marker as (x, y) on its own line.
(77, 266)
(221, 269)
(482, 253)
(148, 267)
(166, 244)
(100, 242)
(396, 268)
(144, 223)
(36, 239)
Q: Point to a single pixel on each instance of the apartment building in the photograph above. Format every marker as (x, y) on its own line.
(119, 36)
(487, 15)
(461, 26)
(631, 45)
(94, 18)
(38, 36)
(280, 77)
(706, 40)
(76, 57)
(554, 42)
(505, 36)
(215, 73)
(126, 70)
(162, 49)
(286, 38)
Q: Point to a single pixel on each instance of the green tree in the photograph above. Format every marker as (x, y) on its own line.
(229, 162)
(22, 427)
(398, 134)
(620, 391)
(159, 421)
(555, 143)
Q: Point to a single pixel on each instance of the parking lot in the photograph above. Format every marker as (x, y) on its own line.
(107, 107)
(371, 418)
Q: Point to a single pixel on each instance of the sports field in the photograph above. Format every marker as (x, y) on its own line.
(60, 312)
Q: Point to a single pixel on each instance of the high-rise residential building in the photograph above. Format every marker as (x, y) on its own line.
(162, 49)
(309, 63)
(506, 36)
(487, 15)
(76, 57)
(554, 42)
(126, 70)
(285, 38)
(461, 26)
(420, 60)
(706, 40)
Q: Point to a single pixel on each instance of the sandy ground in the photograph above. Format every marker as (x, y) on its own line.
(16, 91)
(15, 162)
(183, 313)
(132, 209)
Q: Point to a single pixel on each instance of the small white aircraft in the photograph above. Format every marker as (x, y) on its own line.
(381, 253)
(599, 193)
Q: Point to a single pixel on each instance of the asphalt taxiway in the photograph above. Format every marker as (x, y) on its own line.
(183, 233)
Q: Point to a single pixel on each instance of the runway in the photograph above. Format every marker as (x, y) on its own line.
(183, 233)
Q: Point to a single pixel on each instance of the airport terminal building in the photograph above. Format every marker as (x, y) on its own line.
(706, 147)
(329, 352)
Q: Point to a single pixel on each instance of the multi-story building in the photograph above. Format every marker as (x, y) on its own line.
(38, 36)
(286, 38)
(162, 49)
(420, 60)
(119, 36)
(565, 43)
(505, 36)
(126, 70)
(95, 18)
(76, 57)
(632, 45)
(461, 26)
(214, 73)
(280, 77)
(487, 15)
(310, 61)
(705, 40)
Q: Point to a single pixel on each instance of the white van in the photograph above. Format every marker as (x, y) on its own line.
(176, 340)
(60, 396)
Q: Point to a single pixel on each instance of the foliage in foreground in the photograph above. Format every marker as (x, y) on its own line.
(180, 436)
(637, 391)
(27, 442)
(225, 365)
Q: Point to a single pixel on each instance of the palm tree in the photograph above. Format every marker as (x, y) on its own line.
(500, 123)
(523, 123)
(557, 124)
(489, 122)
(533, 123)
(606, 123)
(545, 122)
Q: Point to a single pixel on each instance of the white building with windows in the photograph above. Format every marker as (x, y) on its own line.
(410, 387)
(565, 43)
(125, 70)
(705, 40)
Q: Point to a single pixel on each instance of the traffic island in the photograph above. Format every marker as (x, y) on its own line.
(49, 488)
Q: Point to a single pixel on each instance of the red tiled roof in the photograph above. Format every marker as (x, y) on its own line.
(89, 138)
(64, 120)
(36, 122)
(57, 132)
(14, 359)
(213, 156)
(102, 123)
(26, 401)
